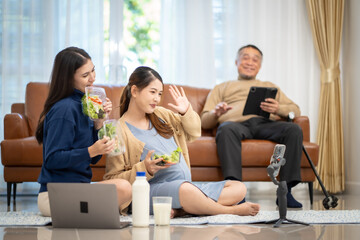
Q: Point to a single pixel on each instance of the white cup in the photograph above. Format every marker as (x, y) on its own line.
(162, 210)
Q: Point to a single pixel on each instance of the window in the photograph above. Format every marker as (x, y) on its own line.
(140, 37)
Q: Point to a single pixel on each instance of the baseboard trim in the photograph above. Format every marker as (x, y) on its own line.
(352, 188)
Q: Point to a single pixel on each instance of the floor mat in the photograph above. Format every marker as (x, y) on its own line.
(306, 216)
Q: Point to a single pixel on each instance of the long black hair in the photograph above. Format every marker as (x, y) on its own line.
(141, 78)
(62, 81)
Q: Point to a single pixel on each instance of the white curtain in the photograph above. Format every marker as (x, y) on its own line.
(186, 42)
(117, 71)
(199, 41)
(34, 31)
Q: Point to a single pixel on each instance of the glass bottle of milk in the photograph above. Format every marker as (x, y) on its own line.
(140, 201)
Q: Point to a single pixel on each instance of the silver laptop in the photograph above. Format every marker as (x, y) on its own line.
(84, 205)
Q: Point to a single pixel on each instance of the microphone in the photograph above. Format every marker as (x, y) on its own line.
(276, 161)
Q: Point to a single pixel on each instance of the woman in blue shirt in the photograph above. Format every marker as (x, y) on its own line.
(69, 137)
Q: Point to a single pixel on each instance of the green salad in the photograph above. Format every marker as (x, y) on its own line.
(109, 130)
(92, 106)
(173, 158)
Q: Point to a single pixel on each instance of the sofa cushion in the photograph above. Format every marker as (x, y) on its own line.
(255, 153)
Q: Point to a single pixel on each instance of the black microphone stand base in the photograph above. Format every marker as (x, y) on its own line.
(281, 193)
(279, 221)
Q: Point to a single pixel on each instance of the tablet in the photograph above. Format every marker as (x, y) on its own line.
(255, 97)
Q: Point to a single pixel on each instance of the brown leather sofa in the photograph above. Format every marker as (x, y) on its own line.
(21, 155)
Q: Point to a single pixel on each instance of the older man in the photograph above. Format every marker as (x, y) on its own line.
(225, 105)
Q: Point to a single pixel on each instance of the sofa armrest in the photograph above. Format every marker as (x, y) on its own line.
(304, 123)
(15, 126)
(18, 108)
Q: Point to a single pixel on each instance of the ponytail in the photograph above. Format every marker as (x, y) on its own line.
(125, 100)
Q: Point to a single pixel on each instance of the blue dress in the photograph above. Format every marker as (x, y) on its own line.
(166, 182)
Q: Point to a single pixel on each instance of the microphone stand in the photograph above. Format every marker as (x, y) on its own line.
(329, 200)
(281, 193)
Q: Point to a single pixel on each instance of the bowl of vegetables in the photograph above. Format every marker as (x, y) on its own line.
(174, 157)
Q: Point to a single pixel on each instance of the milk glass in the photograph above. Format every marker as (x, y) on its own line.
(162, 210)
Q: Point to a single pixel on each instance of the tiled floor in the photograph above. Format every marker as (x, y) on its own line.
(264, 194)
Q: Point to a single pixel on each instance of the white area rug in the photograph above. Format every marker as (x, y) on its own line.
(23, 219)
(307, 216)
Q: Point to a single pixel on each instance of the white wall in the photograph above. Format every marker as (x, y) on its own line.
(351, 94)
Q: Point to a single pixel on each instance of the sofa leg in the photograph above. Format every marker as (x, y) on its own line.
(8, 188)
(14, 192)
(311, 192)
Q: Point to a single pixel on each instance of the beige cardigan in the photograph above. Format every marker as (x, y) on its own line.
(186, 128)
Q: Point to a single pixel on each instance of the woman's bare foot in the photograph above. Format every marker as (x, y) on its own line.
(246, 209)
